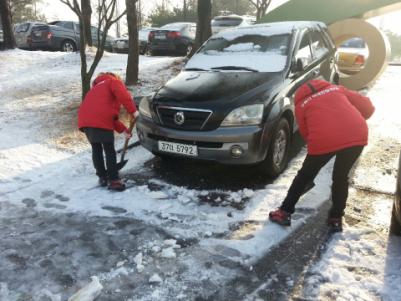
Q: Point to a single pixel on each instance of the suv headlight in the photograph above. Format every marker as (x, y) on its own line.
(144, 108)
(246, 115)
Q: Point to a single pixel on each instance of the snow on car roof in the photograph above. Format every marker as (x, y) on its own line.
(267, 29)
(177, 25)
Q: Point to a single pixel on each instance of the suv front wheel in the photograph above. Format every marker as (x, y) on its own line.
(277, 156)
(68, 46)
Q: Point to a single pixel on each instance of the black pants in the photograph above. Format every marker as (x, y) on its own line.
(111, 160)
(103, 141)
(345, 159)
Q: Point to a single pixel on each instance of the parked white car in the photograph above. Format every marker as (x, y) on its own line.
(352, 56)
(220, 23)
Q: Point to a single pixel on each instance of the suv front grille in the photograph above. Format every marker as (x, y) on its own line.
(183, 118)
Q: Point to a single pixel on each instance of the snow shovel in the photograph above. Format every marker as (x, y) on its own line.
(122, 162)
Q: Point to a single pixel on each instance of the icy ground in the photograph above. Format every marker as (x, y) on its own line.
(166, 237)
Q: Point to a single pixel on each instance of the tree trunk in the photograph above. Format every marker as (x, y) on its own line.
(87, 14)
(5, 14)
(82, 51)
(184, 9)
(258, 14)
(133, 44)
(203, 26)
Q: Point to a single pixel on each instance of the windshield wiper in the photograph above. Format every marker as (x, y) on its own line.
(235, 68)
(195, 69)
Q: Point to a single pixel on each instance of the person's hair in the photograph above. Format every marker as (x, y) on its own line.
(110, 74)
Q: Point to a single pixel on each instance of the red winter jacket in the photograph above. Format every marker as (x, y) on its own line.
(331, 118)
(101, 106)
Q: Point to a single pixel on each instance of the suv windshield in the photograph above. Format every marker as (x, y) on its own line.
(255, 52)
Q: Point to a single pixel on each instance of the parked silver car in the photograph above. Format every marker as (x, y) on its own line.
(220, 23)
(22, 33)
(120, 45)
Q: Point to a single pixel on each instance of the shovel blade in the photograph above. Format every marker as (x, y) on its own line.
(121, 164)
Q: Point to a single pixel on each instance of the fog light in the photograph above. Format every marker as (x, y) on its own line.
(236, 151)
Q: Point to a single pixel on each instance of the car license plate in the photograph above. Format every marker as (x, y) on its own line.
(160, 36)
(178, 148)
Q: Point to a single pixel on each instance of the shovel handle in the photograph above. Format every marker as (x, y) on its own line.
(131, 127)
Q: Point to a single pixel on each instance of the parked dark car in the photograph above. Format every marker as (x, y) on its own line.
(52, 37)
(395, 227)
(59, 35)
(233, 102)
(177, 38)
(74, 27)
(120, 45)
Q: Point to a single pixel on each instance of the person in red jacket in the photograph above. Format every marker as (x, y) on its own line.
(98, 119)
(332, 121)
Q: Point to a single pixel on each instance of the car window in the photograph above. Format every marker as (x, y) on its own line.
(226, 21)
(68, 25)
(354, 43)
(304, 51)
(37, 31)
(22, 27)
(319, 46)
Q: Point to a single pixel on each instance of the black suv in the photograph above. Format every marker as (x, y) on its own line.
(233, 102)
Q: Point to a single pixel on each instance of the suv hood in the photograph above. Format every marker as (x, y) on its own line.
(204, 89)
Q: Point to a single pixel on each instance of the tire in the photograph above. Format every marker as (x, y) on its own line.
(395, 226)
(68, 46)
(277, 157)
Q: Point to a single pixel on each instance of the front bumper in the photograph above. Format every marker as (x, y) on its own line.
(212, 145)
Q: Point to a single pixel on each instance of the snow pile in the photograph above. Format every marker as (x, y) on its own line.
(359, 264)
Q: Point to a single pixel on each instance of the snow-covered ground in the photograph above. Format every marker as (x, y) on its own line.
(188, 243)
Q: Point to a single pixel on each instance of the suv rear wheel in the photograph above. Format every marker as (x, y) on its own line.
(277, 156)
(68, 46)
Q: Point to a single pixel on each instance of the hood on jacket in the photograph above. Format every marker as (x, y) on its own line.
(306, 89)
(102, 77)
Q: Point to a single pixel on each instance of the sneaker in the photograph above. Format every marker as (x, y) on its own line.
(335, 224)
(280, 217)
(116, 185)
(103, 181)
